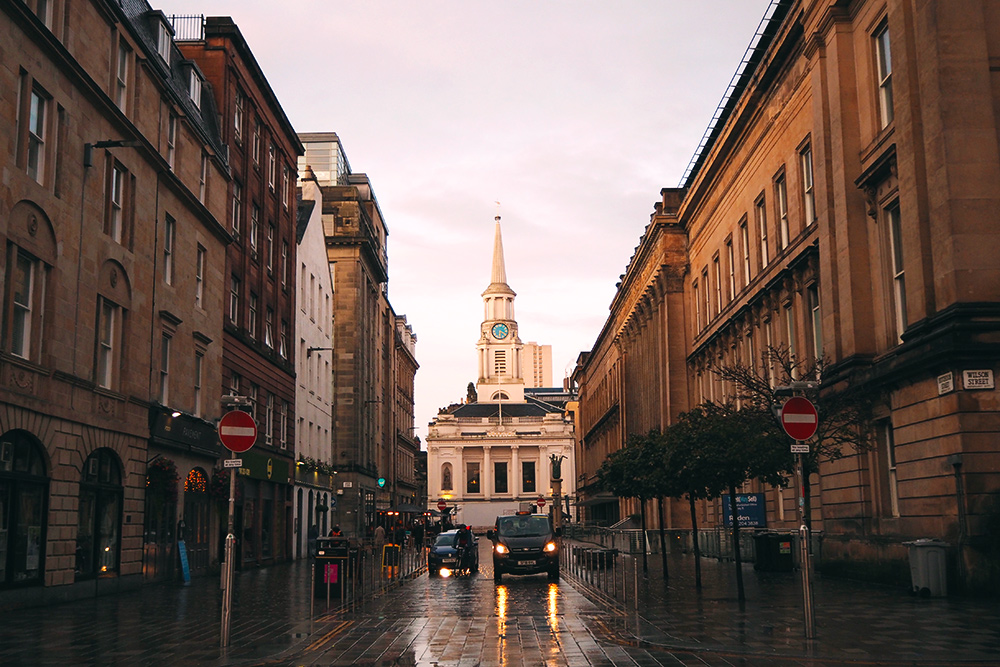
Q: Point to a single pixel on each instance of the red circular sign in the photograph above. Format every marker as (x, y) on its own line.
(237, 431)
(799, 418)
(540, 502)
(442, 505)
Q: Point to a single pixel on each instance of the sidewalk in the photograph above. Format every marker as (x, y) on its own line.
(854, 621)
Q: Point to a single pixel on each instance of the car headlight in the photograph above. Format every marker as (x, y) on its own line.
(501, 549)
(550, 547)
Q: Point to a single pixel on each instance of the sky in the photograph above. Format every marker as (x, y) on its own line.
(572, 114)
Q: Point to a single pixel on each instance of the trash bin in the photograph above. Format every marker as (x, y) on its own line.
(331, 565)
(929, 567)
(774, 552)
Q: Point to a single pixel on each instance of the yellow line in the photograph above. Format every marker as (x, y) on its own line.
(328, 636)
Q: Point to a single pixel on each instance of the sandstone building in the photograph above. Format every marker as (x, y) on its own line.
(843, 206)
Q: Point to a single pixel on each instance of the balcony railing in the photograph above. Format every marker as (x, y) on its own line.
(188, 28)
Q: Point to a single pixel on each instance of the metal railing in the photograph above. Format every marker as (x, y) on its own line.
(188, 28)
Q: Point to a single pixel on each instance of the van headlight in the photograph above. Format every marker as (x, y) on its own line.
(501, 549)
(550, 547)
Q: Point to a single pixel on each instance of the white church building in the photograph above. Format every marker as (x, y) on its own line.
(490, 456)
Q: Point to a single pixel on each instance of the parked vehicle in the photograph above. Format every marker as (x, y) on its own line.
(447, 556)
(524, 543)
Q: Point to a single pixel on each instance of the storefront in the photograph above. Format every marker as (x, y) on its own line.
(265, 509)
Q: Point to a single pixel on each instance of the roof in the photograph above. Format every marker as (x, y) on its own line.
(479, 410)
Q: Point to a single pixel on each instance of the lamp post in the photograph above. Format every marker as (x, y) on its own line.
(556, 488)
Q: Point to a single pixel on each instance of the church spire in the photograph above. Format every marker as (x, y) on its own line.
(499, 271)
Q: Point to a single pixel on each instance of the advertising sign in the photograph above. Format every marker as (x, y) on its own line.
(749, 509)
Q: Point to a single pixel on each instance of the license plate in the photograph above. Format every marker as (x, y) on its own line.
(527, 562)
(449, 561)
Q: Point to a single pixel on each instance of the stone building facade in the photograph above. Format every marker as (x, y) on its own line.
(843, 207)
(114, 184)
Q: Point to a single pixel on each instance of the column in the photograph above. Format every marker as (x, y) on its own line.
(544, 471)
(515, 473)
(487, 474)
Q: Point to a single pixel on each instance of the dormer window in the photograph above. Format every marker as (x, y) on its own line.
(194, 87)
(163, 41)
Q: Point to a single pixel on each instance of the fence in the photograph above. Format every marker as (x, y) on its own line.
(369, 573)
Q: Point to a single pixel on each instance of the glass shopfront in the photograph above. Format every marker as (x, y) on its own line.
(98, 540)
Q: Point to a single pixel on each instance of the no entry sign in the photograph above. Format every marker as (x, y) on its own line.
(237, 431)
(540, 502)
(442, 505)
(799, 418)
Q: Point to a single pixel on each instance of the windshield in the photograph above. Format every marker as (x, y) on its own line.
(445, 540)
(524, 526)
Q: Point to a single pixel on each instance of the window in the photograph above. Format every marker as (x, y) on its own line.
(717, 270)
(500, 362)
(256, 142)
(446, 484)
(271, 166)
(270, 248)
(269, 327)
(203, 178)
(889, 452)
(43, 10)
(731, 266)
(286, 178)
(745, 243)
(108, 327)
(697, 306)
(283, 425)
(121, 76)
(898, 275)
(269, 421)
(283, 341)
(163, 42)
(768, 352)
(761, 215)
(116, 202)
(254, 226)
(252, 398)
(781, 200)
(238, 114)
(883, 56)
(194, 87)
(99, 514)
(237, 195)
(817, 322)
(284, 263)
(808, 193)
(472, 484)
(707, 293)
(527, 476)
(199, 278)
(500, 477)
(37, 112)
(171, 140)
(234, 384)
(790, 333)
(170, 231)
(25, 292)
(199, 360)
(252, 318)
(234, 300)
(164, 369)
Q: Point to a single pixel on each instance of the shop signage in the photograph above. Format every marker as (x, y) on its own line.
(749, 509)
(257, 465)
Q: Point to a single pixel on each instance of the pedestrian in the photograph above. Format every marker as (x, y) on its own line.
(379, 537)
(311, 537)
(335, 532)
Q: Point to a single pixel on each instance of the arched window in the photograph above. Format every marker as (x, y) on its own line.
(446, 477)
(24, 490)
(500, 396)
(98, 537)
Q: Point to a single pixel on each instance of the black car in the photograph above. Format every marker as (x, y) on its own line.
(524, 543)
(444, 553)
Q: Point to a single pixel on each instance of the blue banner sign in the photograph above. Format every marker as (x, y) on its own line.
(749, 509)
(185, 567)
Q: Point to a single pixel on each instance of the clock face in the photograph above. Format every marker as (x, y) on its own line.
(500, 331)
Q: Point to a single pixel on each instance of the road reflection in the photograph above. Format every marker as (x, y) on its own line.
(501, 611)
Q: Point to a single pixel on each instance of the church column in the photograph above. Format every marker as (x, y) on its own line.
(515, 473)
(543, 471)
(487, 473)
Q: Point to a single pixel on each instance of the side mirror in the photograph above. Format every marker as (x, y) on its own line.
(490, 535)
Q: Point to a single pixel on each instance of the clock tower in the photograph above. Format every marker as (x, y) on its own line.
(501, 376)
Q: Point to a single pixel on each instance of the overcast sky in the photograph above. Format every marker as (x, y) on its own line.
(572, 114)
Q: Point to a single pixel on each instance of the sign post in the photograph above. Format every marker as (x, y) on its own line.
(800, 420)
(238, 432)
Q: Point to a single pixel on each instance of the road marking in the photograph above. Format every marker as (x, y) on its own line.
(328, 636)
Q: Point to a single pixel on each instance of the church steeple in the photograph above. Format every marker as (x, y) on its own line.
(501, 376)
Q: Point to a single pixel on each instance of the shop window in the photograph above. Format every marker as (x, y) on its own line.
(98, 538)
(23, 496)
